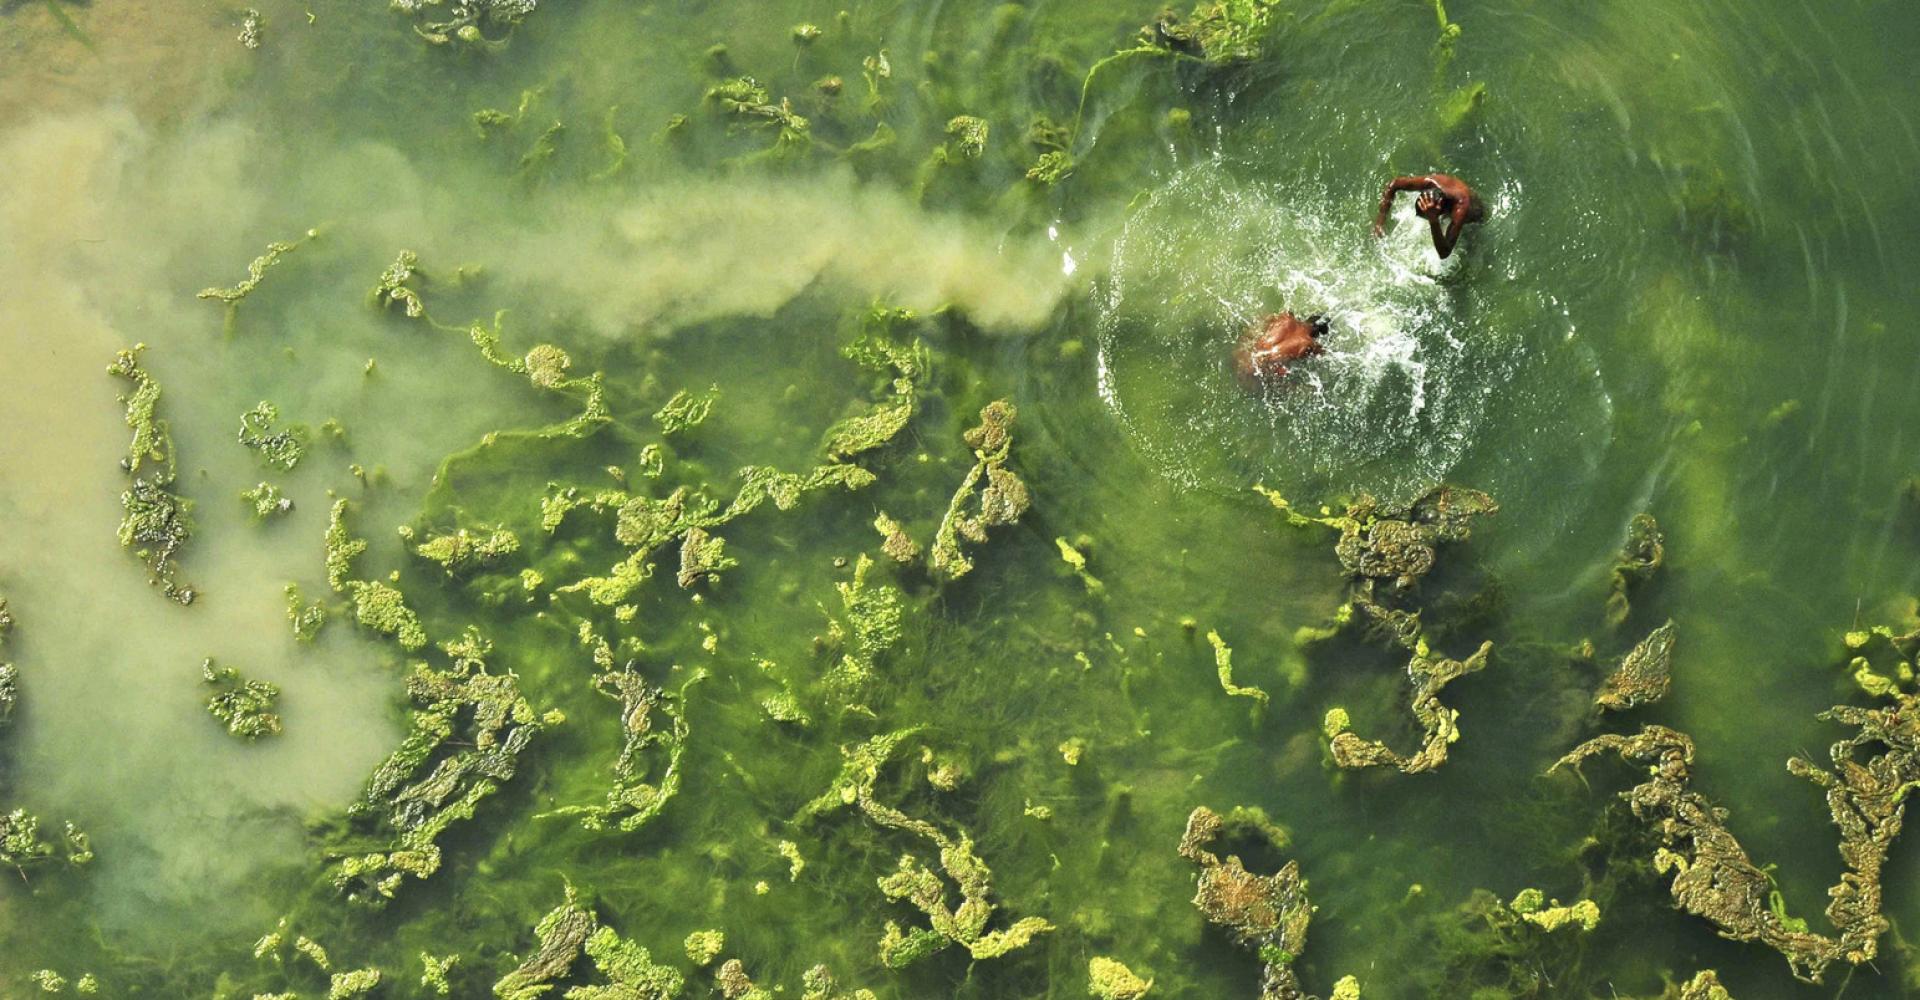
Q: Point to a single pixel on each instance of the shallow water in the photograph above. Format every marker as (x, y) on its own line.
(1687, 300)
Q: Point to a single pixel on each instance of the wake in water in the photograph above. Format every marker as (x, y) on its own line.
(1409, 371)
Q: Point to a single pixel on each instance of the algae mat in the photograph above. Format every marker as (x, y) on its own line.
(638, 500)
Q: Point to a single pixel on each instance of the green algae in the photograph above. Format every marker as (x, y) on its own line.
(1223, 664)
(1267, 914)
(1535, 908)
(868, 626)
(632, 802)
(1714, 878)
(157, 521)
(265, 500)
(917, 884)
(244, 706)
(280, 449)
(572, 931)
(483, 24)
(934, 646)
(1108, 979)
(905, 366)
(463, 552)
(1001, 495)
(21, 843)
(686, 410)
(1641, 557)
(703, 947)
(380, 607)
(306, 619)
(1217, 31)
(1644, 675)
(396, 286)
(256, 271)
(466, 733)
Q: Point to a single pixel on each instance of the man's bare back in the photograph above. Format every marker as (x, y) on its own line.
(1442, 197)
(1267, 347)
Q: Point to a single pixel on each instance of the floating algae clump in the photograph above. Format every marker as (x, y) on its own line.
(1640, 558)
(1220, 31)
(702, 556)
(1440, 723)
(1223, 663)
(1268, 913)
(817, 983)
(280, 449)
(895, 543)
(632, 802)
(244, 706)
(1001, 501)
(915, 883)
(305, 618)
(467, 733)
(1884, 661)
(257, 269)
(484, 23)
(358, 982)
(21, 844)
(705, 946)
(1396, 543)
(462, 552)
(157, 521)
(1107, 979)
(393, 285)
(869, 626)
(380, 607)
(1705, 985)
(1643, 677)
(266, 500)
(563, 936)
(9, 677)
(686, 410)
(645, 524)
(377, 606)
(906, 366)
(20, 841)
(433, 974)
(1533, 906)
(1714, 879)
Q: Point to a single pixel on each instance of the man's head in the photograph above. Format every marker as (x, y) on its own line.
(1319, 325)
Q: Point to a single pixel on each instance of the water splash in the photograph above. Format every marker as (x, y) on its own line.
(1390, 407)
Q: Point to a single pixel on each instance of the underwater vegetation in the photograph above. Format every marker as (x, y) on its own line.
(759, 597)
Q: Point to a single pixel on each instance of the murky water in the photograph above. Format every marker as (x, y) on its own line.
(1687, 299)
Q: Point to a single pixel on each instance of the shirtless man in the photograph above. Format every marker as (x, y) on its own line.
(1442, 197)
(1265, 350)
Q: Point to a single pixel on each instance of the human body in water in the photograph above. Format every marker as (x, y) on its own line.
(1264, 352)
(1443, 198)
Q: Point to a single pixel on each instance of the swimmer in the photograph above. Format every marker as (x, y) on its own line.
(1442, 197)
(1267, 347)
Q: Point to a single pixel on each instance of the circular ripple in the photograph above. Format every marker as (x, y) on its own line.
(1412, 370)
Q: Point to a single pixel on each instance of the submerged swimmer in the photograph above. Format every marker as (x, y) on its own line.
(1442, 197)
(1267, 347)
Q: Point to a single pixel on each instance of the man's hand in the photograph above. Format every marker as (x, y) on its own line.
(1429, 205)
(1378, 231)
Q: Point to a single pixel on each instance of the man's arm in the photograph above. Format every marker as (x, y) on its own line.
(1443, 242)
(1394, 187)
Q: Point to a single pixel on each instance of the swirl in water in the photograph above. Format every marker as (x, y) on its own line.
(1392, 405)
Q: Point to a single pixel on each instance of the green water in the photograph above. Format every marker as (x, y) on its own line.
(1687, 300)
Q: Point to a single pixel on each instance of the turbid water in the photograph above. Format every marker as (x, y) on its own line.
(1687, 301)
